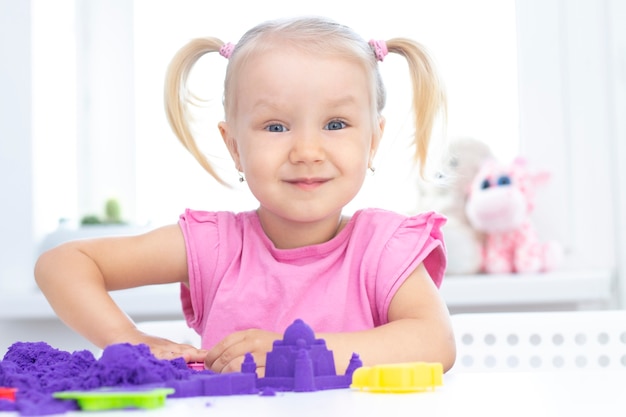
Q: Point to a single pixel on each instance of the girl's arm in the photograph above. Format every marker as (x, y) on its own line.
(76, 277)
(419, 329)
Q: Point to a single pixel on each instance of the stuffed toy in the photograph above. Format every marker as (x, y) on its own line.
(499, 205)
(447, 194)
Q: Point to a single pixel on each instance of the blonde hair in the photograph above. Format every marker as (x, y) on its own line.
(314, 35)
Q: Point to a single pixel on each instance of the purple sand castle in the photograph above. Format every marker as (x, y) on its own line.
(301, 363)
(298, 363)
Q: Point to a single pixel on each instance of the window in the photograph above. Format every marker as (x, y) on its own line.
(54, 112)
(570, 106)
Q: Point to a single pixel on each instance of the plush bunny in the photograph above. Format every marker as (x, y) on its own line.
(447, 194)
(499, 204)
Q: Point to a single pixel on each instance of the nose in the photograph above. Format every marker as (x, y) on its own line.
(307, 148)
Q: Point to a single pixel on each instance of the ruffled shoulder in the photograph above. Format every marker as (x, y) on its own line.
(400, 243)
(211, 239)
(200, 228)
(420, 238)
(395, 246)
(198, 216)
(206, 226)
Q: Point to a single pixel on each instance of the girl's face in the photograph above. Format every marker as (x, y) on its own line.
(301, 132)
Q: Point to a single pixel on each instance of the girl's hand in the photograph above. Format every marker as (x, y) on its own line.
(229, 353)
(166, 349)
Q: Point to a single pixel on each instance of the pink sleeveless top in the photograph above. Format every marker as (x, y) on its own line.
(239, 280)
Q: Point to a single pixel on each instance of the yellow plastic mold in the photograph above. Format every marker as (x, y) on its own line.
(107, 399)
(400, 377)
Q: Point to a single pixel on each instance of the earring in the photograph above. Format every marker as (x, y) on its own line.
(372, 170)
(241, 177)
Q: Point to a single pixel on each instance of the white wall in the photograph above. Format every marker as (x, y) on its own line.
(16, 187)
(571, 56)
(106, 110)
(617, 79)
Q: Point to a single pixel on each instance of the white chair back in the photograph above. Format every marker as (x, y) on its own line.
(534, 341)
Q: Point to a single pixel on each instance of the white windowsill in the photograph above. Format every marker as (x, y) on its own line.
(563, 287)
(150, 301)
(557, 287)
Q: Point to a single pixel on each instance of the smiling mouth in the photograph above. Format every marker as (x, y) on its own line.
(308, 183)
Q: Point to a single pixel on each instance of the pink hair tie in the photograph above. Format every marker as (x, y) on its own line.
(227, 49)
(380, 49)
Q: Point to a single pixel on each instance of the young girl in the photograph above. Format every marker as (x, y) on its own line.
(303, 101)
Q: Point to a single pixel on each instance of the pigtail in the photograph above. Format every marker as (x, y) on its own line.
(428, 94)
(178, 97)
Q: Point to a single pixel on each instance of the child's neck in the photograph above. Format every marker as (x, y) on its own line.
(286, 234)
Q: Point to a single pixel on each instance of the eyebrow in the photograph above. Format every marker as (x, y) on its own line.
(332, 103)
(341, 101)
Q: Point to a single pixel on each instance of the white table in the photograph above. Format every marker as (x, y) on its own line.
(553, 394)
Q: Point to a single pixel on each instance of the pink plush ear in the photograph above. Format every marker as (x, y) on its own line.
(520, 161)
(540, 178)
(535, 179)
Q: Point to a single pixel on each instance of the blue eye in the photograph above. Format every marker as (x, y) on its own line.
(335, 125)
(485, 184)
(504, 180)
(277, 128)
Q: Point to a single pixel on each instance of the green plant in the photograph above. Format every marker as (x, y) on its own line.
(112, 215)
(113, 211)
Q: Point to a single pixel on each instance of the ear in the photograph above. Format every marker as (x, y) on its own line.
(231, 143)
(520, 161)
(541, 178)
(376, 137)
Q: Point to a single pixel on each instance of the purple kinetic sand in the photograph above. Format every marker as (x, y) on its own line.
(38, 370)
(299, 362)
